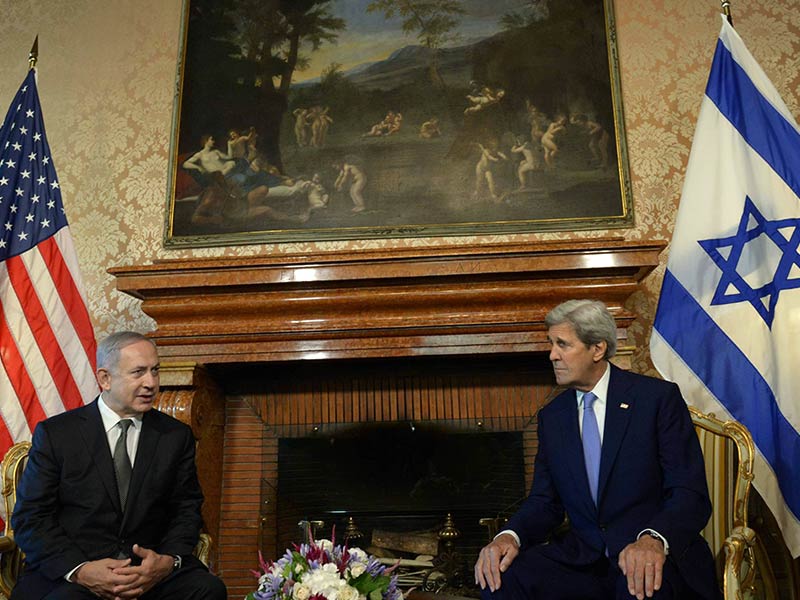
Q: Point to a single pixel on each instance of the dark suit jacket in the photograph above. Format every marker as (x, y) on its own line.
(68, 509)
(651, 476)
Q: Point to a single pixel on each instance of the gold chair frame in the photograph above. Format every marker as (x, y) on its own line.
(11, 557)
(729, 477)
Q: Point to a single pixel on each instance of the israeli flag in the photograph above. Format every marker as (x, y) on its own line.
(727, 328)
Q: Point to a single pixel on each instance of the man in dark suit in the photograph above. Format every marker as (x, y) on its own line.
(109, 503)
(619, 457)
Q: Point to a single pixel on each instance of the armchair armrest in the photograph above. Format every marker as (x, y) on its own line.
(11, 560)
(203, 548)
(7, 544)
(738, 552)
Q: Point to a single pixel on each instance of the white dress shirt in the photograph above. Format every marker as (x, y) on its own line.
(110, 420)
(601, 391)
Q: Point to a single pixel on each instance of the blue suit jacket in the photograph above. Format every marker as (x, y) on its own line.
(651, 476)
(68, 509)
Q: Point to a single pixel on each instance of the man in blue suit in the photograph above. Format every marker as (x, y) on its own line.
(619, 457)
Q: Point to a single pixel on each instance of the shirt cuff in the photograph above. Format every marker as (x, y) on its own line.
(658, 536)
(512, 534)
(69, 575)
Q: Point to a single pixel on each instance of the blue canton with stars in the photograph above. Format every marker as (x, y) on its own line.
(30, 198)
(732, 287)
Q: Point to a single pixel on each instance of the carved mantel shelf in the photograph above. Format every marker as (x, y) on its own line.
(380, 303)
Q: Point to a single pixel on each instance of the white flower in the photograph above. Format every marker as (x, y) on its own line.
(330, 568)
(301, 592)
(347, 593)
(325, 581)
(356, 569)
(326, 545)
(358, 555)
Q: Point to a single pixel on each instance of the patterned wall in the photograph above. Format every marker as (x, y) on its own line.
(107, 81)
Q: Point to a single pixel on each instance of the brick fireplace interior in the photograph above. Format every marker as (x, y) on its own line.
(411, 377)
(396, 444)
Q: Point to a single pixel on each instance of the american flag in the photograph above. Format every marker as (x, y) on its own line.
(47, 345)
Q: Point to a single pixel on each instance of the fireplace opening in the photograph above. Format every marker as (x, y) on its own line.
(397, 444)
(399, 477)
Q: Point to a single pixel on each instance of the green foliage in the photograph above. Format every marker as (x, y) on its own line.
(433, 20)
(272, 35)
(371, 586)
(533, 12)
(298, 560)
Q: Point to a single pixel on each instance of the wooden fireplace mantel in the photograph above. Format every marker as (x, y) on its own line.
(452, 300)
(379, 303)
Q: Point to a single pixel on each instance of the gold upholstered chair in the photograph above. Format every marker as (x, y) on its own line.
(729, 451)
(11, 557)
(10, 473)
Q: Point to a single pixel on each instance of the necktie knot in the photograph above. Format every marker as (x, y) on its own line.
(124, 424)
(588, 401)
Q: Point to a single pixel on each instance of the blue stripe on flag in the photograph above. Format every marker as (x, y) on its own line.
(733, 380)
(759, 123)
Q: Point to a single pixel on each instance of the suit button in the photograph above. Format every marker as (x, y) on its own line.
(603, 527)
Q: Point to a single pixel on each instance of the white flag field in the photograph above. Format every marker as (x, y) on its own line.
(727, 328)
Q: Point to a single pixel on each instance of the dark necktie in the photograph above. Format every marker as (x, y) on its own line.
(122, 462)
(591, 443)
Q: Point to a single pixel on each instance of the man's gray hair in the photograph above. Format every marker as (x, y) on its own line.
(109, 348)
(590, 319)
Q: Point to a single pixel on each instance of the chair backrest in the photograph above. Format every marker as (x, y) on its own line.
(728, 450)
(11, 471)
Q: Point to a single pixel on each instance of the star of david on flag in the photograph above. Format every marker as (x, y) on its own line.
(47, 343)
(774, 239)
(728, 317)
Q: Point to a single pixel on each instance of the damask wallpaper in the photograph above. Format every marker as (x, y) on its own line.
(107, 83)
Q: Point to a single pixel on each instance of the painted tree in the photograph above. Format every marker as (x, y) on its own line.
(272, 40)
(531, 12)
(274, 33)
(433, 21)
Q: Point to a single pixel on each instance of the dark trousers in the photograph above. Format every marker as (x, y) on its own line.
(186, 584)
(534, 576)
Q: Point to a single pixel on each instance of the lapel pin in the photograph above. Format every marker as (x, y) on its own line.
(623, 405)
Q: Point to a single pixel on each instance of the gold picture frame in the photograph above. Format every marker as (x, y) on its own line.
(310, 120)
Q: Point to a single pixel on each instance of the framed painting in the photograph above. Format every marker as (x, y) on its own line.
(317, 120)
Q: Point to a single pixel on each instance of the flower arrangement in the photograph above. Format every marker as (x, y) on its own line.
(321, 570)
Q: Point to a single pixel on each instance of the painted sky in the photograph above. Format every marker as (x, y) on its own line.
(370, 36)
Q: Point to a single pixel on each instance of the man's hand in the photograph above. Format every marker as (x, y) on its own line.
(142, 578)
(101, 576)
(494, 559)
(642, 562)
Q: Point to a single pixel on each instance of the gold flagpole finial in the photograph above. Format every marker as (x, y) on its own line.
(34, 53)
(726, 10)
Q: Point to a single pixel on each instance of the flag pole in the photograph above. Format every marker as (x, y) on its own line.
(726, 9)
(33, 56)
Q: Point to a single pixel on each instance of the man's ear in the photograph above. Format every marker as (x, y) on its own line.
(104, 378)
(599, 351)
